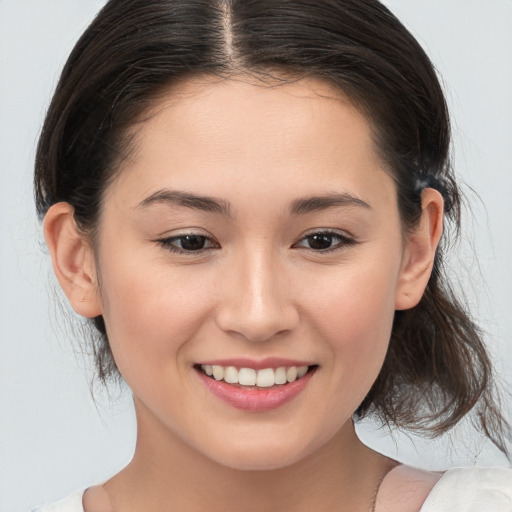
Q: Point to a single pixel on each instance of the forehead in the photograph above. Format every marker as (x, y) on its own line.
(221, 135)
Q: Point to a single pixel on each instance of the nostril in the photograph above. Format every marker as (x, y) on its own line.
(257, 327)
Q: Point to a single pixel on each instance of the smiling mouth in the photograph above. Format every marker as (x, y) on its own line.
(249, 378)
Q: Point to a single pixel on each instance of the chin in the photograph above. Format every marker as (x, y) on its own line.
(261, 461)
(270, 453)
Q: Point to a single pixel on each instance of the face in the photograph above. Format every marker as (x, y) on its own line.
(253, 231)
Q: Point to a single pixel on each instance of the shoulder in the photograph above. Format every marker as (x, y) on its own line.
(405, 489)
(472, 490)
(73, 503)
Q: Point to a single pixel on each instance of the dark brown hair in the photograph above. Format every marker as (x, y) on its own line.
(437, 368)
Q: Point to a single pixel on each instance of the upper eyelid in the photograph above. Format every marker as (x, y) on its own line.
(183, 235)
(326, 231)
(189, 232)
(185, 231)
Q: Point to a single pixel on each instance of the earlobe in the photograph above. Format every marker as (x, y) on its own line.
(72, 259)
(420, 251)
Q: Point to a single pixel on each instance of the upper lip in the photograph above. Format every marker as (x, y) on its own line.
(260, 364)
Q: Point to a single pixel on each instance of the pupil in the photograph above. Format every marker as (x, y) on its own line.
(320, 241)
(192, 242)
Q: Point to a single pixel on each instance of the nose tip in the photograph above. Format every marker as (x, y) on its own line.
(256, 305)
(258, 320)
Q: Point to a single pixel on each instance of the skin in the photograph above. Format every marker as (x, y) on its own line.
(257, 290)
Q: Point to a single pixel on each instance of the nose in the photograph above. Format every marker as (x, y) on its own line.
(257, 302)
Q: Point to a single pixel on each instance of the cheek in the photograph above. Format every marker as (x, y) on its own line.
(354, 316)
(150, 314)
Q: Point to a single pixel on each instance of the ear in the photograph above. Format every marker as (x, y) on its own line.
(420, 250)
(73, 260)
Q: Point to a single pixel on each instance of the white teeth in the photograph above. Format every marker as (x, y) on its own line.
(291, 374)
(218, 372)
(264, 378)
(280, 376)
(301, 371)
(231, 375)
(247, 377)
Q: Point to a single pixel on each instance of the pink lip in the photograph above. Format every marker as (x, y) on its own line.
(269, 362)
(255, 400)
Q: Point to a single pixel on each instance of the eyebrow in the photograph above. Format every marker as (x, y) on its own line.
(219, 206)
(188, 200)
(317, 203)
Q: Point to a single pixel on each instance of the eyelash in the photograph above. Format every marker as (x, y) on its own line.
(343, 242)
(168, 243)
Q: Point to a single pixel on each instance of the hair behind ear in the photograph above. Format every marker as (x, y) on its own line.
(437, 369)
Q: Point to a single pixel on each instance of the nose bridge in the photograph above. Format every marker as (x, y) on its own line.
(257, 303)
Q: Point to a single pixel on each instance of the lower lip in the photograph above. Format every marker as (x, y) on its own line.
(255, 400)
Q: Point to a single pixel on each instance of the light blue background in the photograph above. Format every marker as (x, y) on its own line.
(53, 438)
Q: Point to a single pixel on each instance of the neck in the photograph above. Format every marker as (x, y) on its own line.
(167, 474)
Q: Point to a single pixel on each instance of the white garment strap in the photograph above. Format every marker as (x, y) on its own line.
(73, 503)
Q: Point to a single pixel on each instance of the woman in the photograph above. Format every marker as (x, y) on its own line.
(247, 200)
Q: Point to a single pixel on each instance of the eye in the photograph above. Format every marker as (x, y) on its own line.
(325, 241)
(188, 243)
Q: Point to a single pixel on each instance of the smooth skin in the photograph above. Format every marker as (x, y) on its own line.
(297, 251)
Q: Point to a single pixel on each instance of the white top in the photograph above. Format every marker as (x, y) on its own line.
(458, 490)
(472, 490)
